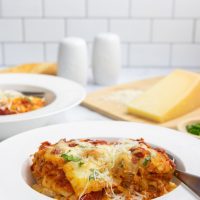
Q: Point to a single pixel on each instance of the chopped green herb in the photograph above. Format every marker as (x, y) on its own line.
(94, 175)
(80, 163)
(68, 158)
(194, 129)
(146, 160)
(82, 146)
(91, 177)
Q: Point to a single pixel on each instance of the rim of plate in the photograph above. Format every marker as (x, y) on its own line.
(56, 85)
(180, 144)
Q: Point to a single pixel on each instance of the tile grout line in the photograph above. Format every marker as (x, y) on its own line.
(3, 54)
(130, 9)
(173, 8)
(170, 54)
(43, 9)
(151, 31)
(45, 51)
(65, 27)
(86, 9)
(194, 31)
(123, 42)
(1, 10)
(101, 17)
(30, 42)
(108, 25)
(128, 55)
(23, 30)
(162, 67)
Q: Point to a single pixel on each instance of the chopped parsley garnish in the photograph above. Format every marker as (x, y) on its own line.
(82, 146)
(146, 160)
(194, 129)
(68, 158)
(94, 175)
(80, 163)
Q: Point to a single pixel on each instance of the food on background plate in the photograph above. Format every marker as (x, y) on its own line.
(190, 126)
(171, 97)
(14, 102)
(88, 169)
(35, 68)
(193, 128)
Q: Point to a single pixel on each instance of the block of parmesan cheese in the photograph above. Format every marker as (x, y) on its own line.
(173, 96)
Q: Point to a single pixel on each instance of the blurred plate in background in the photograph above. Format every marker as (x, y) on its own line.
(61, 94)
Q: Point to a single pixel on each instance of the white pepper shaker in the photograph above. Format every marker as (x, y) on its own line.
(73, 59)
(106, 61)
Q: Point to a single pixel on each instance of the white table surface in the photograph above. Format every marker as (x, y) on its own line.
(80, 113)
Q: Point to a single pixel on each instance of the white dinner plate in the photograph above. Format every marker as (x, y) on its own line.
(15, 152)
(61, 94)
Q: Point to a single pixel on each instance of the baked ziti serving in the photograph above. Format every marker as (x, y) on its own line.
(13, 102)
(86, 169)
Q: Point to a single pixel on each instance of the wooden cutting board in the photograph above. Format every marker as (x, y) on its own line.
(98, 102)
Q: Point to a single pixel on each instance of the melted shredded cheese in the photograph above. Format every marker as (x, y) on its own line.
(92, 167)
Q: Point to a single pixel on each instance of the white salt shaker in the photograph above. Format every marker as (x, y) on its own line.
(106, 61)
(73, 59)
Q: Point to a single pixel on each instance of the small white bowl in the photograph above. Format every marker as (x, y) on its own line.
(61, 94)
(182, 126)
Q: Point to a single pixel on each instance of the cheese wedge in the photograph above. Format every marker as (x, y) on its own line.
(173, 96)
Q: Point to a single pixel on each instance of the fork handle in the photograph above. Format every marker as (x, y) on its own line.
(192, 181)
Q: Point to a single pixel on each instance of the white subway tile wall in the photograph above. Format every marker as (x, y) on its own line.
(131, 30)
(152, 55)
(44, 30)
(186, 54)
(86, 28)
(151, 8)
(154, 33)
(64, 8)
(108, 8)
(10, 30)
(21, 8)
(124, 54)
(197, 33)
(51, 52)
(173, 30)
(187, 8)
(19, 53)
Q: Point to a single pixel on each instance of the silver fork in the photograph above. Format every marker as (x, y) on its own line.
(36, 94)
(190, 180)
